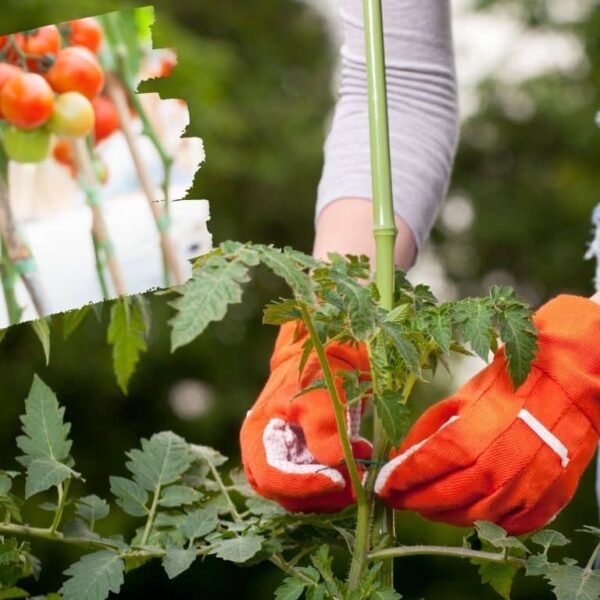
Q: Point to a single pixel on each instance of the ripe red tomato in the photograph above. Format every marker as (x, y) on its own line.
(6, 72)
(76, 69)
(45, 40)
(26, 146)
(73, 115)
(86, 32)
(107, 119)
(27, 100)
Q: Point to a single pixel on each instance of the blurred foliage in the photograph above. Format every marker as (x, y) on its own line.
(528, 163)
(257, 79)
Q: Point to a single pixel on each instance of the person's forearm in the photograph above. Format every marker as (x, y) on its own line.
(345, 227)
(423, 129)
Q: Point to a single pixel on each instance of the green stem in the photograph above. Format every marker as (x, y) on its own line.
(384, 226)
(9, 277)
(151, 515)
(45, 534)
(219, 481)
(592, 561)
(63, 491)
(401, 551)
(338, 407)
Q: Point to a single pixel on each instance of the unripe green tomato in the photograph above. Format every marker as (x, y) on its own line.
(73, 115)
(26, 145)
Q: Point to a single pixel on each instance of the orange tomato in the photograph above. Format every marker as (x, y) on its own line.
(11, 54)
(45, 40)
(76, 69)
(86, 32)
(107, 119)
(27, 100)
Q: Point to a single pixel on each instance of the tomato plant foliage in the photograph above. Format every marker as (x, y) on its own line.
(186, 503)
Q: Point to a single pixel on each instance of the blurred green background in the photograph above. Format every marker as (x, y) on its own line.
(257, 77)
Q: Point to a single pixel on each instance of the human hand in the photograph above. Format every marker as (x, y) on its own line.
(291, 449)
(513, 457)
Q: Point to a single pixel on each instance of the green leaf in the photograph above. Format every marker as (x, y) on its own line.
(291, 589)
(406, 349)
(278, 313)
(316, 384)
(286, 267)
(358, 304)
(73, 318)
(126, 334)
(92, 508)
(178, 560)
(3, 334)
(205, 297)
(43, 473)
(42, 331)
(161, 461)
(570, 582)
(548, 538)
(475, 322)
(13, 592)
(94, 576)
(199, 523)
(386, 594)
(394, 416)
(440, 328)
(43, 425)
(131, 496)
(499, 576)
(178, 495)
(496, 536)
(520, 342)
(238, 549)
(208, 454)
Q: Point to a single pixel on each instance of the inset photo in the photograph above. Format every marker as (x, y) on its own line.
(90, 168)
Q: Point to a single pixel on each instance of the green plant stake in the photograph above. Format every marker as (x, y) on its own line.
(384, 229)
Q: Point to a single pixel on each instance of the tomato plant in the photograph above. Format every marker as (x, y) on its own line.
(76, 69)
(73, 115)
(85, 32)
(27, 100)
(26, 145)
(107, 118)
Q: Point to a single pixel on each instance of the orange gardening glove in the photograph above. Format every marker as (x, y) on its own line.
(291, 449)
(513, 457)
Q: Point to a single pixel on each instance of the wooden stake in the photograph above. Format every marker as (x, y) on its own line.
(119, 98)
(99, 228)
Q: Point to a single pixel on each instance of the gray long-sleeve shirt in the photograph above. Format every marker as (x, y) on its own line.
(422, 111)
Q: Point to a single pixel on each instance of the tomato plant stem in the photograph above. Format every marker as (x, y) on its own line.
(171, 264)
(400, 551)
(338, 407)
(9, 278)
(63, 490)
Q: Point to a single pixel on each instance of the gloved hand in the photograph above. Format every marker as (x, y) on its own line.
(511, 457)
(291, 450)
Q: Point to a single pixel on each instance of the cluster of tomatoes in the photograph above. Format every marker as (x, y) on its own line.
(51, 86)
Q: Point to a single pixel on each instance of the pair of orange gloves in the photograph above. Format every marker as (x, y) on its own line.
(513, 457)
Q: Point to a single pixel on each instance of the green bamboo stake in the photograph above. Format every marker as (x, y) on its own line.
(384, 227)
(371, 528)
